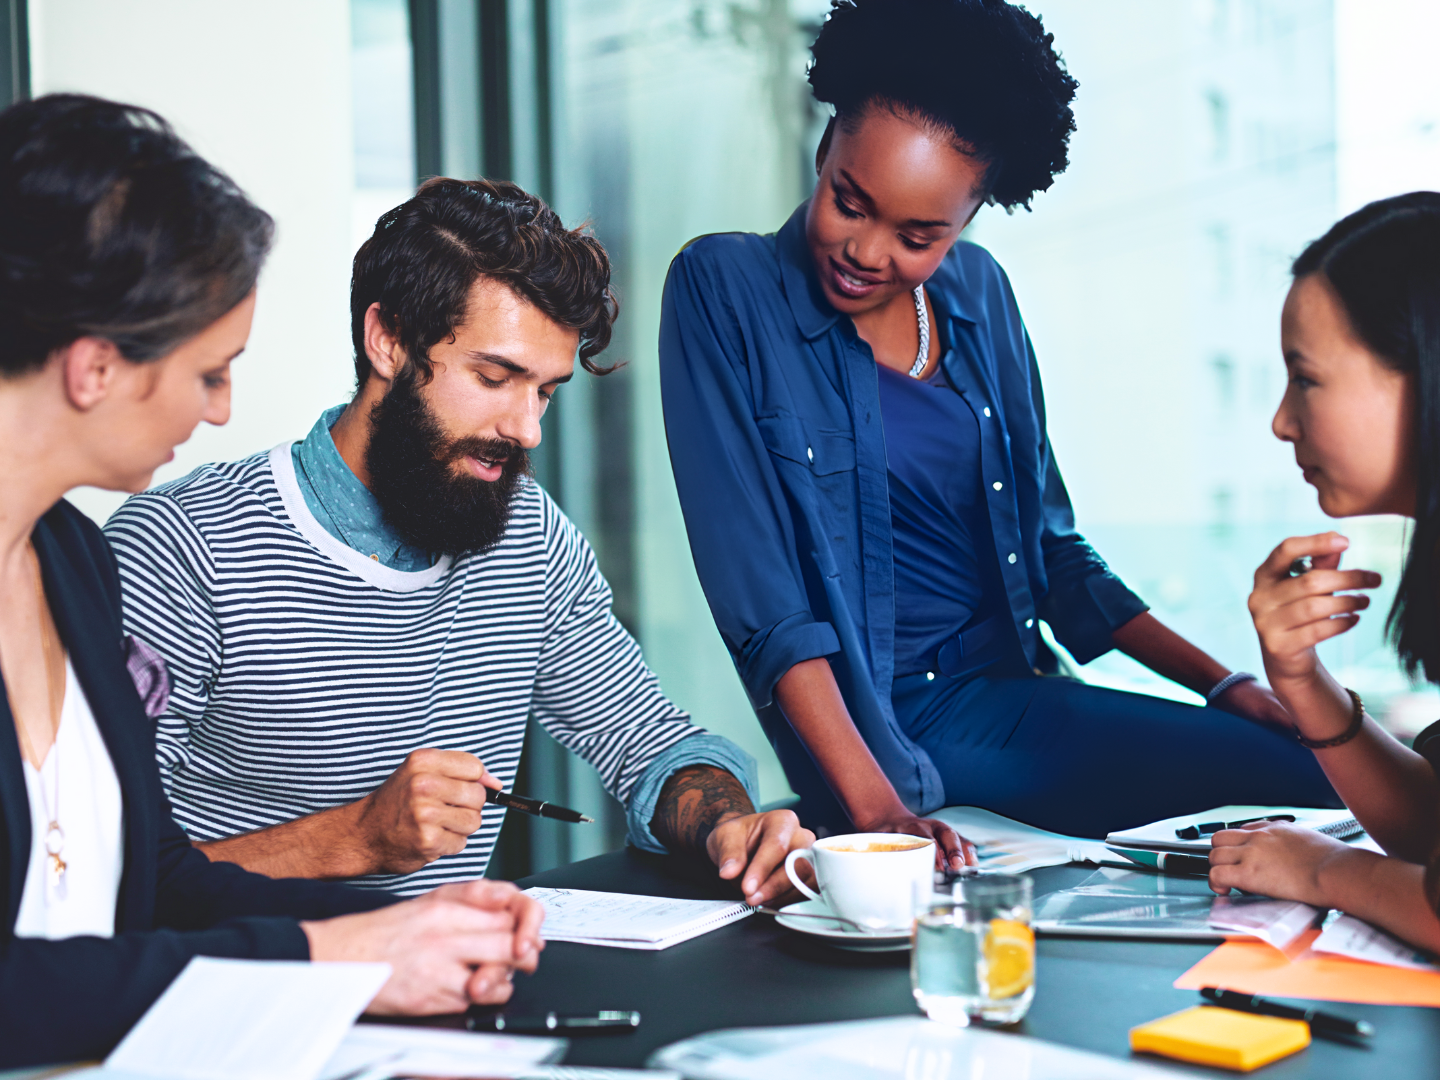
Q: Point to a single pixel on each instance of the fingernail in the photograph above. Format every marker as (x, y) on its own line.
(510, 975)
(751, 885)
(729, 866)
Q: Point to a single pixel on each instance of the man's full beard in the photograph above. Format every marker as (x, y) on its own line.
(416, 476)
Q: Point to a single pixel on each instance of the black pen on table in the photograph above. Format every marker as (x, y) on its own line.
(538, 807)
(1321, 1023)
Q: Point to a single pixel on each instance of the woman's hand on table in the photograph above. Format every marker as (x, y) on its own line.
(1278, 859)
(952, 851)
(453, 947)
(752, 848)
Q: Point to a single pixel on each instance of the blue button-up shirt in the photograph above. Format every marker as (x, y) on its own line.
(773, 415)
(347, 510)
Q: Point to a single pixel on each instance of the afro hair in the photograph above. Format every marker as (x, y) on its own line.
(984, 70)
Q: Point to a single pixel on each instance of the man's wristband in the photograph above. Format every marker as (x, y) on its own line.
(1226, 683)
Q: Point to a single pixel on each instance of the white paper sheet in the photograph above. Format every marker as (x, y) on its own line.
(1011, 846)
(1352, 937)
(418, 1051)
(630, 922)
(903, 1048)
(1276, 922)
(247, 1020)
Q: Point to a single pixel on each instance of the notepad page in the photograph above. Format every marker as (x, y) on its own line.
(633, 922)
(1160, 835)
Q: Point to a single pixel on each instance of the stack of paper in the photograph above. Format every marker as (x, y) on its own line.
(1359, 963)
(624, 921)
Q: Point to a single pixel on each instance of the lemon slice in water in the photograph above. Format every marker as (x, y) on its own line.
(1009, 958)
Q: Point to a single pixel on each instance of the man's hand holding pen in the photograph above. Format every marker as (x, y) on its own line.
(425, 809)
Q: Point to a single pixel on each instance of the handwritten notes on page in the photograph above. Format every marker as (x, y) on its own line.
(1357, 939)
(630, 922)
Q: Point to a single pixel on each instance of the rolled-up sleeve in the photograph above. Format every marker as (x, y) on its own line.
(1084, 602)
(742, 532)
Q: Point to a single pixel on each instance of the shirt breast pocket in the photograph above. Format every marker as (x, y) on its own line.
(821, 452)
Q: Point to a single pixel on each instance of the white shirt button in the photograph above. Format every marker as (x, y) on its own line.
(929, 676)
(810, 453)
(1011, 556)
(997, 485)
(1029, 623)
(987, 410)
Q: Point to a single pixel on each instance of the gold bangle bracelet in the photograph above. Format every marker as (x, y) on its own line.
(1356, 723)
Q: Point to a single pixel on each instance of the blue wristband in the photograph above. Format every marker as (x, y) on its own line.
(1226, 683)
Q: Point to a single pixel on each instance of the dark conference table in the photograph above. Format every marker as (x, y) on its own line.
(753, 973)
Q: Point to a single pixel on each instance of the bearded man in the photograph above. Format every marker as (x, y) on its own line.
(357, 625)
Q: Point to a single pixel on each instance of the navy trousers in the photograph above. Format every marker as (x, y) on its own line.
(1085, 761)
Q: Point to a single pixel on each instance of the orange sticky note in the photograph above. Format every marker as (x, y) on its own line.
(1253, 967)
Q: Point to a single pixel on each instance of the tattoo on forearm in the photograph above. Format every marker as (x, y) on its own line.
(690, 804)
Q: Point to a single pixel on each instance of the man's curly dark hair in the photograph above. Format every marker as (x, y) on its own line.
(424, 256)
(984, 70)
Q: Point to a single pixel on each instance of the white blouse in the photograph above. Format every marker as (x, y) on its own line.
(78, 771)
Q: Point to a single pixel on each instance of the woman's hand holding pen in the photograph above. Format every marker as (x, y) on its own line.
(1294, 612)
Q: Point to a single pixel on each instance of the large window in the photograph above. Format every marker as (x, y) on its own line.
(1215, 138)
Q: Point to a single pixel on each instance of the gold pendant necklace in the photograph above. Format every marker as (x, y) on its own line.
(54, 834)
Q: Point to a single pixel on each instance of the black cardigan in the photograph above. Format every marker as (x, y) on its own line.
(74, 999)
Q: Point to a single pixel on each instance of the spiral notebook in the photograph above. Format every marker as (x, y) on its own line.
(623, 921)
(1164, 835)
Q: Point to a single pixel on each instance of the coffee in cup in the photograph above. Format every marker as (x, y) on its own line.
(869, 878)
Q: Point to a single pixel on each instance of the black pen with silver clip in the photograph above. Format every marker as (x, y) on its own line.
(1321, 1023)
(538, 807)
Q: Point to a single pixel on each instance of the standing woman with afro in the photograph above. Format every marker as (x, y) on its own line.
(857, 430)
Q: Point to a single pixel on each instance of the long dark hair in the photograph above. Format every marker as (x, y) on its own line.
(1383, 261)
(112, 227)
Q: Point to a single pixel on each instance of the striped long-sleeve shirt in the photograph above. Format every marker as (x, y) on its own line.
(304, 672)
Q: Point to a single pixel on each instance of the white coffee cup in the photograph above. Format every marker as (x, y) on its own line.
(869, 878)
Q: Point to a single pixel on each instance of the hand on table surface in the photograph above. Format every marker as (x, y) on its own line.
(425, 809)
(752, 849)
(1277, 859)
(1294, 614)
(1258, 703)
(453, 947)
(952, 851)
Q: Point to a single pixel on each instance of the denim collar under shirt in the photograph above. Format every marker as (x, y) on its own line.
(344, 506)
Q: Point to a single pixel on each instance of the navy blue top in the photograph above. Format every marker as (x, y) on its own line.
(75, 998)
(945, 568)
(773, 414)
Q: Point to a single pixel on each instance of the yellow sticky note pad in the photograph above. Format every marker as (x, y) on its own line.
(1224, 1037)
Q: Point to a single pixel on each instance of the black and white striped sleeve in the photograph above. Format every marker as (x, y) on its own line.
(167, 578)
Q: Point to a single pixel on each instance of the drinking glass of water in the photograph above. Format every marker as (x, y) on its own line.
(974, 953)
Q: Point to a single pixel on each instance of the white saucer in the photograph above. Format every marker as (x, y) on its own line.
(840, 934)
